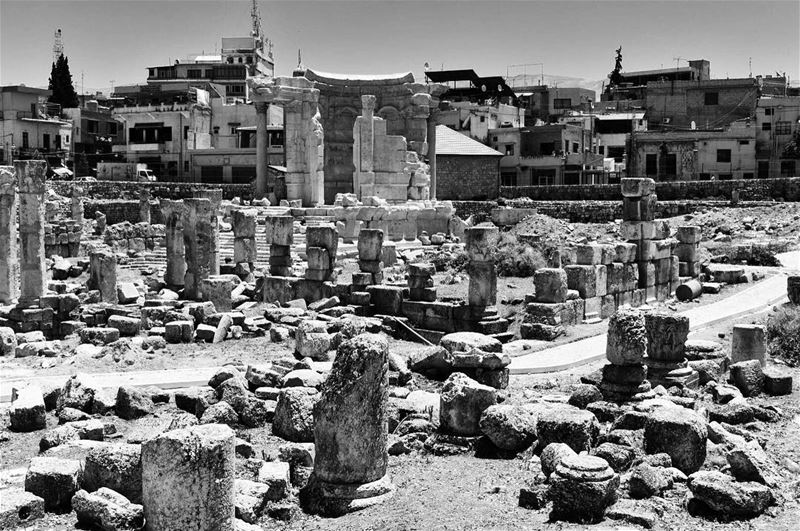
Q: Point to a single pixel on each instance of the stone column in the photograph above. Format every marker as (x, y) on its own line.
(31, 183)
(370, 249)
(201, 240)
(243, 222)
(432, 151)
(364, 145)
(351, 431)
(173, 235)
(666, 351)
(9, 285)
(480, 242)
(144, 205)
(103, 275)
(76, 205)
(280, 236)
(262, 145)
(188, 479)
(322, 243)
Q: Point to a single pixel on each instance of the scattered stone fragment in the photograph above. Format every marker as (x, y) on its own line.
(581, 488)
(117, 467)
(583, 395)
(220, 413)
(294, 419)
(618, 456)
(19, 508)
(678, 432)
(463, 401)
(27, 409)
(132, 403)
(732, 499)
(552, 455)
(748, 377)
(54, 480)
(647, 481)
(575, 427)
(510, 428)
(107, 510)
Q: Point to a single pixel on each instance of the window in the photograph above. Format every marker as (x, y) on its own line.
(46, 142)
(723, 155)
(58, 142)
(768, 111)
(194, 73)
(651, 164)
(276, 138)
(766, 126)
(547, 148)
(24, 140)
(705, 176)
(544, 177)
(712, 98)
(787, 168)
(508, 178)
(240, 60)
(671, 164)
(763, 169)
(249, 60)
(575, 147)
(566, 146)
(91, 126)
(562, 103)
(483, 119)
(748, 175)
(112, 128)
(151, 72)
(211, 174)
(725, 176)
(509, 149)
(186, 132)
(744, 142)
(234, 89)
(783, 128)
(185, 166)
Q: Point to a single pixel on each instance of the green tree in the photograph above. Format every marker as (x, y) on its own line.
(615, 76)
(61, 84)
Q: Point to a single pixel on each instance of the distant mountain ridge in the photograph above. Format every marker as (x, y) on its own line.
(527, 80)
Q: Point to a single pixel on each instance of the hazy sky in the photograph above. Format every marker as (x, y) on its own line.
(117, 39)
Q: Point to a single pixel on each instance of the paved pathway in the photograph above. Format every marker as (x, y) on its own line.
(751, 300)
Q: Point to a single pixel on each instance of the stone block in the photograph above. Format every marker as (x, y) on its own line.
(386, 299)
(127, 293)
(279, 230)
(689, 234)
(749, 342)
(98, 335)
(19, 508)
(179, 331)
(637, 186)
(54, 480)
(108, 510)
(687, 252)
(551, 285)
(127, 326)
(588, 280)
(625, 252)
(27, 409)
(595, 254)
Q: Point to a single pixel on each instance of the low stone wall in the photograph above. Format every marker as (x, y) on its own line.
(606, 211)
(482, 210)
(120, 210)
(158, 190)
(785, 189)
(138, 237)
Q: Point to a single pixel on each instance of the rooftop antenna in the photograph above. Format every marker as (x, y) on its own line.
(58, 45)
(256, 17)
(750, 65)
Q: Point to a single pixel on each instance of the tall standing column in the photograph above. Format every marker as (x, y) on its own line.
(432, 151)
(9, 287)
(144, 205)
(173, 234)
(262, 159)
(200, 239)
(30, 180)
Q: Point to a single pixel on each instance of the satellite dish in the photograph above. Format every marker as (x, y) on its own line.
(483, 88)
(693, 125)
(427, 66)
(499, 88)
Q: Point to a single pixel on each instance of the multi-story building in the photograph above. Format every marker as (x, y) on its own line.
(696, 154)
(207, 140)
(547, 155)
(475, 120)
(777, 123)
(542, 102)
(32, 128)
(633, 85)
(94, 131)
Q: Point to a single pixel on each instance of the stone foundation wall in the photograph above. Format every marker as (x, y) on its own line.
(482, 210)
(158, 190)
(138, 237)
(467, 177)
(120, 210)
(786, 189)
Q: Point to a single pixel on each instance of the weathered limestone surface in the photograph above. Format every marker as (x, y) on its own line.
(31, 188)
(201, 243)
(173, 235)
(9, 284)
(188, 479)
(480, 244)
(103, 275)
(244, 235)
(351, 430)
(581, 488)
(749, 342)
(793, 289)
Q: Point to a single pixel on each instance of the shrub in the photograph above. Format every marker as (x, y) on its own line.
(516, 259)
(445, 261)
(783, 335)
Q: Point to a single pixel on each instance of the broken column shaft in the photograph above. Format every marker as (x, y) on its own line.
(173, 236)
(9, 285)
(201, 243)
(31, 186)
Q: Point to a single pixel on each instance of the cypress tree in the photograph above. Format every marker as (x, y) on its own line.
(61, 84)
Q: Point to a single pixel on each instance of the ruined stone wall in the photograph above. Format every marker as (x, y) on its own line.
(119, 210)
(786, 189)
(158, 190)
(481, 210)
(467, 178)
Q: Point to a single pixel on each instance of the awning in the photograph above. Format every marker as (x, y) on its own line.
(63, 172)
